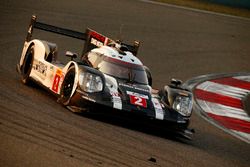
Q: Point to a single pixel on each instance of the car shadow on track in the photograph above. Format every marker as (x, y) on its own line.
(124, 119)
(136, 123)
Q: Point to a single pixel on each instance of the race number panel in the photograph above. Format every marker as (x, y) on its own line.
(56, 81)
(138, 99)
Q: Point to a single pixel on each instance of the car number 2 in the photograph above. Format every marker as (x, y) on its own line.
(139, 101)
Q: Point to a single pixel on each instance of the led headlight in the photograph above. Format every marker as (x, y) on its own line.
(183, 104)
(90, 82)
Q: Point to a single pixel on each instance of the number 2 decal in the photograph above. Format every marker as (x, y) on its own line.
(139, 101)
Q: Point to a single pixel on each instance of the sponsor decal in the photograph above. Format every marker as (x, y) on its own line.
(111, 84)
(98, 39)
(117, 94)
(41, 68)
(159, 114)
(137, 94)
(96, 42)
(97, 36)
(117, 102)
(134, 87)
(57, 79)
(116, 99)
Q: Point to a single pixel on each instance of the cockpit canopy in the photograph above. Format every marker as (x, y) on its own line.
(115, 66)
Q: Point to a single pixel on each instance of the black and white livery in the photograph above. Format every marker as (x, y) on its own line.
(108, 74)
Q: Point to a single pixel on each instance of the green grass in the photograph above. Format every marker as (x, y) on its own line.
(198, 4)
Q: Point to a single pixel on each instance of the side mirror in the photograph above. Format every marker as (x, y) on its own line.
(71, 55)
(176, 82)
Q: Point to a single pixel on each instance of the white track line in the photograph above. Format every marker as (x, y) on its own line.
(244, 135)
(194, 10)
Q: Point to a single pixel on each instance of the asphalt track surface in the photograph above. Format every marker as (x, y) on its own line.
(36, 131)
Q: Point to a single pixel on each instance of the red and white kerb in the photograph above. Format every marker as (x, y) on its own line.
(221, 99)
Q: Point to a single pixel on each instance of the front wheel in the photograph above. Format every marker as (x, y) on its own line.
(67, 87)
(27, 65)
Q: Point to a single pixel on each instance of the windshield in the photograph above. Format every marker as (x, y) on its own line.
(129, 72)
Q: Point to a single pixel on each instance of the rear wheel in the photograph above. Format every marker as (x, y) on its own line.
(67, 86)
(27, 65)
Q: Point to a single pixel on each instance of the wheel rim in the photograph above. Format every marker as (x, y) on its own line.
(68, 85)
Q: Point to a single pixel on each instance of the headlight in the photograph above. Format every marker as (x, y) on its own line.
(90, 82)
(183, 105)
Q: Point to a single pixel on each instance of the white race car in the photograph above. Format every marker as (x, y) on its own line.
(108, 75)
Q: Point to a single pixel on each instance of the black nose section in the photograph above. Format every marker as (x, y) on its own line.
(134, 95)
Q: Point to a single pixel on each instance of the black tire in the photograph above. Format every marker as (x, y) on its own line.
(67, 86)
(27, 65)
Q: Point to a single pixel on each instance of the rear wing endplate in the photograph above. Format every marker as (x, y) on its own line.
(92, 38)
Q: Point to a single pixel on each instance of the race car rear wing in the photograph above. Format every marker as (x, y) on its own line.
(92, 38)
